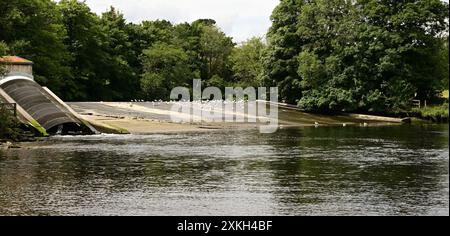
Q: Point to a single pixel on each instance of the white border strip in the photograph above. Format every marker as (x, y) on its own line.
(15, 77)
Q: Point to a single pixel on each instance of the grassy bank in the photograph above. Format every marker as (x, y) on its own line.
(433, 113)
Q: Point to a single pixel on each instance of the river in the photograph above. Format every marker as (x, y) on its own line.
(393, 170)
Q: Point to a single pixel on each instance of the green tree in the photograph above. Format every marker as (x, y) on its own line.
(444, 65)
(33, 29)
(398, 46)
(247, 63)
(88, 44)
(365, 55)
(3, 52)
(280, 60)
(325, 29)
(165, 67)
(215, 49)
(188, 37)
(144, 35)
(123, 80)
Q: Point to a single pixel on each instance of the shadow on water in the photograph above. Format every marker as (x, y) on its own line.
(378, 170)
(298, 171)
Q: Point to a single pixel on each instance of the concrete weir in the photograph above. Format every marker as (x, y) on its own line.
(38, 107)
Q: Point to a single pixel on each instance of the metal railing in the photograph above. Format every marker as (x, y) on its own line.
(417, 103)
(9, 106)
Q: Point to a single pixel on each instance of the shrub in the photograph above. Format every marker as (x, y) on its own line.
(9, 125)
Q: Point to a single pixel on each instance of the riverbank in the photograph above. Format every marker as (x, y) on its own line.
(438, 114)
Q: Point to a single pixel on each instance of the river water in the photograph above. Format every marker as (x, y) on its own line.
(394, 170)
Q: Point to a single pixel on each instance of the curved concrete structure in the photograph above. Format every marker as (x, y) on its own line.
(42, 106)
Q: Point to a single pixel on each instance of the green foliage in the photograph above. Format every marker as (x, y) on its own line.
(84, 56)
(33, 29)
(3, 48)
(247, 63)
(365, 55)
(84, 38)
(444, 64)
(217, 81)
(280, 59)
(178, 54)
(3, 52)
(122, 79)
(324, 55)
(165, 67)
(9, 126)
(215, 49)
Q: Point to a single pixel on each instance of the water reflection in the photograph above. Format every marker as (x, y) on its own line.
(309, 171)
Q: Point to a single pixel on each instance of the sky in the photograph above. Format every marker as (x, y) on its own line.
(240, 19)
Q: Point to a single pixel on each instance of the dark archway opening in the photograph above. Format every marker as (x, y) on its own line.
(69, 129)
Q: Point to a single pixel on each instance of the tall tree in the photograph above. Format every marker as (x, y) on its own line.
(148, 33)
(215, 49)
(366, 55)
(123, 80)
(144, 35)
(33, 29)
(87, 41)
(398, 46)
(280, 62)
(247, 63)
(326, 31)
(165, 67)
(188, 37)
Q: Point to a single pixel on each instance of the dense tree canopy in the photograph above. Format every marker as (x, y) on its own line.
(215, 49)
(174, 55)
(324, 55)
(280, 62)
(33, 29)
(367, 55)
(165, 67)
(247, 63)
(122, 79)
(3, 51)
(444, 66)
(84, 56)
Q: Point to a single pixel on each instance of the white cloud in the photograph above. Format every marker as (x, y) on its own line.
(241, 19)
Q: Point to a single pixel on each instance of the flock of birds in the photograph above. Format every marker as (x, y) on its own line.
(317, 124)
(213, 103)
(208, 104)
